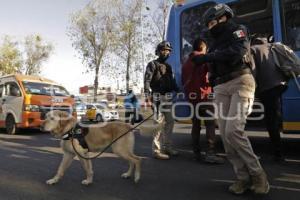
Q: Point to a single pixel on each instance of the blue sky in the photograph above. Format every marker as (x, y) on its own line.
(49, 18)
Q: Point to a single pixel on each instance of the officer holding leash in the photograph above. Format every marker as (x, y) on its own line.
(158, 86)
(234, 88)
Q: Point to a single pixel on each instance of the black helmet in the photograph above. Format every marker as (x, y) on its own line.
(163, 45)
(216, 12)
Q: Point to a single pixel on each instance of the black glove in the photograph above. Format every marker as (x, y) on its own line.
(211, 81)
(199, 60)
(176, 88)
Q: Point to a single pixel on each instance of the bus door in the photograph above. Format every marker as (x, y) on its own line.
(290, 23)
(257, 15)
(277, 18)
(184, 26)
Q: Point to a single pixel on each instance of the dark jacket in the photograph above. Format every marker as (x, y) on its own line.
(267, 75)
(195, 80)
(229, 51)
(159, 77)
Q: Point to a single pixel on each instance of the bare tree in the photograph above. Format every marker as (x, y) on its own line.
(128, 37)
(113, 70)
(91, 32)
(10, 56)
(156, 21)
(36, 52)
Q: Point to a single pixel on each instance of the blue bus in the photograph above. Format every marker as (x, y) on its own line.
(279, 19)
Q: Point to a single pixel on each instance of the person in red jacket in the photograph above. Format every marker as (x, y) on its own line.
(196, 88)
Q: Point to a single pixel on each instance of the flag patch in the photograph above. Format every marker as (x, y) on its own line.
(239, 34)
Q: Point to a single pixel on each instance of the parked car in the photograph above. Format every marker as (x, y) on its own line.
(100, 112)
(81, 111)
(104, 103)
(109, 104)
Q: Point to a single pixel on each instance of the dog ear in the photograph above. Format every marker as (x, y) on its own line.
(65, 122)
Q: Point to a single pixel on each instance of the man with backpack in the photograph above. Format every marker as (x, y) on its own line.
(158, 87)
(197, 89)
(271, 83)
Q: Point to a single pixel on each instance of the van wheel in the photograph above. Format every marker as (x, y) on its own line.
(99, 118)
(10, 125)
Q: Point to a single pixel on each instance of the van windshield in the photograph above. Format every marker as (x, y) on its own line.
(44, 89)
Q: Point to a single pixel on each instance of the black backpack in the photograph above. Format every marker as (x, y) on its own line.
(286, 60)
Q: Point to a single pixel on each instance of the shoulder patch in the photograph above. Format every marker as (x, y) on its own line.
(239, 34)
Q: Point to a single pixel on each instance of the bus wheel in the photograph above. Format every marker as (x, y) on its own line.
(10, 125)
(99, 118)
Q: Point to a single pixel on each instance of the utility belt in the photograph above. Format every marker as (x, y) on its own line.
(231, 76)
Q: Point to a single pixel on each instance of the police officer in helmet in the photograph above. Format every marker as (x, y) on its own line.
(163, 50)
(234, 88)
(158, 86)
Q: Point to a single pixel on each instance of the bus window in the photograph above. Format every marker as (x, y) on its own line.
(191, 27)
(291, 23)
(256, 15)
(244, 7)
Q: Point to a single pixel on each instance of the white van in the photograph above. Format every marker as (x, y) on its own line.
(25, 100)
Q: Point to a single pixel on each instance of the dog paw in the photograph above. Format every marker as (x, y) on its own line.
(136, 179)
(51, 181)
(86, 182)
(125, 175)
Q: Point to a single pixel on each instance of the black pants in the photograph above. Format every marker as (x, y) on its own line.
(210, 130)
(130, 116)
(271, 100)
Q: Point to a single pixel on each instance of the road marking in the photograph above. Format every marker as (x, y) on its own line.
(12, 149)
(19, 156)
(291, 178)
(19, 137)
(291, 160)
(272, 186)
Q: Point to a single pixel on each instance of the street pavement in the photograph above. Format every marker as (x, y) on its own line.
(27, 160)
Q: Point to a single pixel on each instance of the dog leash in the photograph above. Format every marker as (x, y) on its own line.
(108, 146)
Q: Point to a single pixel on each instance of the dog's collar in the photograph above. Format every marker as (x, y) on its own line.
(71, 133)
